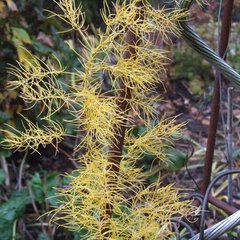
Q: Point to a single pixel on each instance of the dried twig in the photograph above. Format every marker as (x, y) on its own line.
(226, 26)
(19, 182)
(229, 143)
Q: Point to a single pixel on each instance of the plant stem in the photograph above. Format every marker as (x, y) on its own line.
(229, 143)
(21, 170)
(123, 96)
(222, 205)
(225, 30)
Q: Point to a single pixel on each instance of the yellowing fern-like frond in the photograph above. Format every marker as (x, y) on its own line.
(33, 136)
(153, 209)
(165, 21)
(138, 212)
(154, 140)
(143, 106)
(144, 20)
(125, 16)
(98, 116)
(140, 72)
(71, 14)
(38, 84)
(134, 74)
(36, 70)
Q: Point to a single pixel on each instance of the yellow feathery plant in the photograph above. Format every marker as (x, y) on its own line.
(154, 141)
(107, 197)
(72, 14)
(97, 116)
(33, 136)
(38, 83)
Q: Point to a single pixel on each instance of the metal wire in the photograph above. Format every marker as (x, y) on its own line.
(230, 143)
(185, 225)
(204, 50)
(197, 196)
(205, 201)
(218, 229)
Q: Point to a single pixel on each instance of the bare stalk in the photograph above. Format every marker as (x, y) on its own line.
(225, 30)
(21, 170)
(229, 143)
(123, 96)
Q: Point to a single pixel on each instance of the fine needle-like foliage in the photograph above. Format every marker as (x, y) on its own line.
(108, 197)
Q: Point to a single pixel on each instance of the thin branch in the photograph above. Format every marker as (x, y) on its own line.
(19, 182)
(124, 95)
(229, 143)
(215, 107)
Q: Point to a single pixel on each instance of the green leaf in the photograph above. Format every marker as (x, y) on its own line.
(37, 186)
(12, 210)
(4, 117)
(43, 236)
(41, 48)
(176, 159)
(148, 157)
(4, 152)
(44, 190)
(236, 153)
(81, 234)
(51, 193)
(20, 36)
(139, 131)
(153, 178)
(2, 176)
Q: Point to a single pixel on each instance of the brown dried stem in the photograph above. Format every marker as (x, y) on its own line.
(225, 30)
(124, 95)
